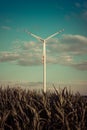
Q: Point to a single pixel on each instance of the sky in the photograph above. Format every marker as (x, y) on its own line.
(21, 54)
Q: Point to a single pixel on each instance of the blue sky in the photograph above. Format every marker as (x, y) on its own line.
(21, 54)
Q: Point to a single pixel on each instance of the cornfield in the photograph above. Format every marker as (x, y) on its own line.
(31, 110)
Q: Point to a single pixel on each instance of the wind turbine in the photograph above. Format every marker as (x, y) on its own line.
(44, 53)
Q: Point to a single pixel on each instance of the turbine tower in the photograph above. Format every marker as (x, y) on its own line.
(44, 53)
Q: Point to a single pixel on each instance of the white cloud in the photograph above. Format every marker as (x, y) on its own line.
(79, 12)
(77, 4)
(66, 59)
(84, 15)
(81, 66)
(32, 46)
(6, 27)
(75, 44)
(29, 62)
(8, 56)
(59, 51)
(75, 38)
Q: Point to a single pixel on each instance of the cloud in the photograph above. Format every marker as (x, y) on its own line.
(81, 66)
(29, 62)
(82, 7)
(6, 27)
(66, 51)
(8, 56)
(75, 44)
(84, 15)
(75, 39)
(66, 59)
(77, 4)
(29, 59)
(79, 12)
(32, 46)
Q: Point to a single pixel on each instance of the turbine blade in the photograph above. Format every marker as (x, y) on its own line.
(54, 35)
(33, 35)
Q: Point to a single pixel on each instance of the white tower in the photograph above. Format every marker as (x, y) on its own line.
(44, 54)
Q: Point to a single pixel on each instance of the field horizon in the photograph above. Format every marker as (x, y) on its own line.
(73, 87)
